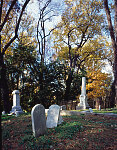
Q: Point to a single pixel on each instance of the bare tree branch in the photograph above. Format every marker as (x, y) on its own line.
(49, 18)
(17, 27)
(6, 17)
(1, 4)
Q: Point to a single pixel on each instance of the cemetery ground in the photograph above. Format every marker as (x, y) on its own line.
(81, 132)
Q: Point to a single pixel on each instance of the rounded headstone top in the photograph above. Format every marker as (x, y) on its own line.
(35, 108)
(15, 92)
(54, 106)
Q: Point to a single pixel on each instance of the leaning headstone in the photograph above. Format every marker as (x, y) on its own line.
(53, 116)
(3, 113)
(38, 120)
(16, 103)
(60, 120)
(63, 107)
(99, 107)
(90, 109)
(79, 107)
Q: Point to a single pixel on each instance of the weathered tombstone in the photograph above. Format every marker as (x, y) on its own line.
(79, 107)
(83, 97)
(38, 120)
(63, 107)
(100, 107)
(3, 113)
(53, 116)
(90, 109)
(16, 103)
(60, 120)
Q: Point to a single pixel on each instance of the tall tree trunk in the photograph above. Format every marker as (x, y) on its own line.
(97, 103)
(4, 86)
(113, 36)
(68, 84)
(115, 52)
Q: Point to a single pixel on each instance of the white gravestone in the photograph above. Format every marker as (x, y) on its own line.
(100, 107)
(83, 97)
(3, 113)
(90, 109)
(16, 102)
(38, 120)
(63, 107)
(53, 116)
(60, 120)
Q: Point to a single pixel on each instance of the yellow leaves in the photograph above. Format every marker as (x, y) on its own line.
(36, 90)
(97, 84)
(9, 52)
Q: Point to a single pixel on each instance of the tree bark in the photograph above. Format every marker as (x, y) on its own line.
(113, 36)
(68, 84)
(115, 53)
(4, 86)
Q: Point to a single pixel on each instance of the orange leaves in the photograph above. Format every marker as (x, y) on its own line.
(98, 84)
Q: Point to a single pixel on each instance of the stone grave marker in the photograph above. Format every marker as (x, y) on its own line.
(83, 97)
(60, 120)
(90, 109)
(38, 120)
(100, 107)
(53, 116)
(63, 107)
(3, 113)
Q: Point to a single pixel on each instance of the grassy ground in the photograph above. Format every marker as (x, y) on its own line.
(108, 110)
(82, 132)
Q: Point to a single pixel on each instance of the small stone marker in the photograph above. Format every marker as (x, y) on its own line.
(60, 120)
(3, 113)
(99, 107)
(38, 120)
(53, 116)
(90, 109)
(63, 107)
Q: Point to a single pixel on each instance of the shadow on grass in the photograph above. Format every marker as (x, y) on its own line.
(84, 130)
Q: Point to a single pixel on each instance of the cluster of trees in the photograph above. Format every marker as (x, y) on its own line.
(78, 45)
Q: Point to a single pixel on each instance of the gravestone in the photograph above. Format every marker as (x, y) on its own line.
(3, 113)
(90, 109)
(63, 107)
(100, 107)
(60, 120)
(16, 103)
(53, 116)
(38, 120)
(83, 97)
